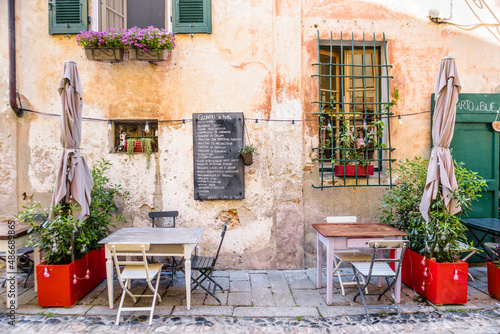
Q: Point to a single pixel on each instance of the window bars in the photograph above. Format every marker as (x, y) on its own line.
(354, 127)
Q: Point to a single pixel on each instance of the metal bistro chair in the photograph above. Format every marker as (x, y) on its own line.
(205, 266)
(154, 215)
(135, 270)
(346, 255)
(379, 267)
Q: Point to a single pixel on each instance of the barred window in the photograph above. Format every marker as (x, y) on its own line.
(354, 137)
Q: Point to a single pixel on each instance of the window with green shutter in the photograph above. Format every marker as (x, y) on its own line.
(68, 16)
(192, 16)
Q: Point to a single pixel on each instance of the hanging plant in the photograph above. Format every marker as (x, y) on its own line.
(144, 145)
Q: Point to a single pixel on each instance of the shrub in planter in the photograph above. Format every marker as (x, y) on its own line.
(494, 272)
(64, 237)
(436, 240)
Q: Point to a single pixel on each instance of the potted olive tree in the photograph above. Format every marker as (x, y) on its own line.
(431, 266)
(61, 281)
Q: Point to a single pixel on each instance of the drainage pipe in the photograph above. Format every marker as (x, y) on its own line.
(12, 58)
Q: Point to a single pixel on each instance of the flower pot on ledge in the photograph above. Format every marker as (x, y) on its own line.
(107, 54)
(353, 170)
(137, 146)
(150, 55)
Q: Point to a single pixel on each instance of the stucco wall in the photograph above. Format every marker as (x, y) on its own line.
(258, 61)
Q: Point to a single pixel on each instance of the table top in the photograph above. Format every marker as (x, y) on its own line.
(155, 236)
(485, 223)
(356, 230)
(20, 230)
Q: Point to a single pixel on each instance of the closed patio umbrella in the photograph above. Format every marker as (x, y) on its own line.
(441, 170)
(74, 179)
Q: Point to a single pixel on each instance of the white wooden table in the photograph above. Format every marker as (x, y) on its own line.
(17, 235)
(350, 236)
(163, 242)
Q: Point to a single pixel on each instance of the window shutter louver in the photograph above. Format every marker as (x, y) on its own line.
(68, 16)
(192, 16)
(112, 14)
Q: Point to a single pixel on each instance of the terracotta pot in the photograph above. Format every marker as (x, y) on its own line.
(57, 285)
(247, 158)
(445, 283)
(350, 170)
(150, 55)
(493, 280)
(107, 54)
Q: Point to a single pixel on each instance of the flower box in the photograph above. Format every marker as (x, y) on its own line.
(150, 55)
(57, 285)
(493, 280)
(353, 170)
(137, 146)
(440, 283)
(107, 54)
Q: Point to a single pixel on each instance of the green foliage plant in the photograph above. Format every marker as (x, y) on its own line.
(247, 149)
(64, 236)
(437, 239)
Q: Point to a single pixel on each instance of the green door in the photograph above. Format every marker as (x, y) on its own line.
(475, 143)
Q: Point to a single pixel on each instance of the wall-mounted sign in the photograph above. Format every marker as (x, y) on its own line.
(218, 172)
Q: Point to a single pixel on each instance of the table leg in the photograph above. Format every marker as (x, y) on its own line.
(397, 286)
(329, 271)
(36, 262)
(187, 266)
(319, 262)
(380, 254)
(109, 278)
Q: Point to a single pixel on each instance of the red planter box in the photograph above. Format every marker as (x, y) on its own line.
(350, 170)
(493, 280)
(137, 146)
(439, 287)
(58, 289)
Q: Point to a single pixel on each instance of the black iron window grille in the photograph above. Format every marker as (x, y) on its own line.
(354, 129)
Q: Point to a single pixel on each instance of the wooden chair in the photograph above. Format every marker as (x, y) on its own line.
(134, 270)
(379, 267)
(155, 216)
(346, 255)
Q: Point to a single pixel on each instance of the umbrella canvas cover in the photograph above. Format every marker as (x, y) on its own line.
(74, 181)
(441, 170)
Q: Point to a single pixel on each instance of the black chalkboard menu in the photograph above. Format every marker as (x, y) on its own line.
(218, 172)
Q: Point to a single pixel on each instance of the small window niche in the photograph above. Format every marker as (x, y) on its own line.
(135, 132)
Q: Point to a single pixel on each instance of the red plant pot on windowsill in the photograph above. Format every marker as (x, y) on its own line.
(57, 285)
(438, 282)
(493, 280)
(353, 170)
(137, 146)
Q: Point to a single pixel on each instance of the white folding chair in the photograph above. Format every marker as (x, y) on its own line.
(380, 267)
(134, 269)
(346, 255)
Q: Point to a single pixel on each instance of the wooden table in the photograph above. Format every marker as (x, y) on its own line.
(17, 234)
(489, 226)
(163, 242)
(350, 236)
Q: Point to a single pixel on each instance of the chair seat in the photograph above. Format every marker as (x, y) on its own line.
(352, 256)
(379, 269)
(138, 272)
(201, 262)
(21, 251)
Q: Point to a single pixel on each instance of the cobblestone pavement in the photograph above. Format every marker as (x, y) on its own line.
(259, 301)
(470, 322)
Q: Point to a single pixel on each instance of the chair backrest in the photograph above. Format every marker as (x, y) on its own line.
(388, 244)
(124, 250)
(163, 214)
(222, 235)
(341, 219)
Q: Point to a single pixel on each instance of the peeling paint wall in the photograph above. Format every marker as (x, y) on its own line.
(258, 60)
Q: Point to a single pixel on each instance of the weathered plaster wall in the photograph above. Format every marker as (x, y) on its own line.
(258, 61)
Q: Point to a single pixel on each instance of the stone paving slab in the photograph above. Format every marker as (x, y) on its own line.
(203, 311)
(259, 281)
(239, 286)
(276, 312)
(241, 275)
(308, 298)
(35, 309)
(336, 311)
(283, 299)
(239, 299)
(262, 297)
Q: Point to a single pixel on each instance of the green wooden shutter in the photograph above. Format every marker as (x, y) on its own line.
(192, 16)
(68, 16)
